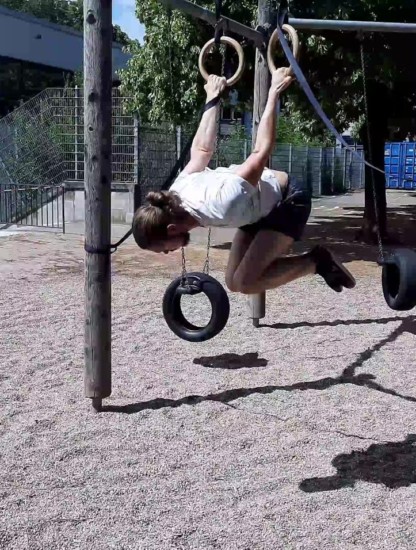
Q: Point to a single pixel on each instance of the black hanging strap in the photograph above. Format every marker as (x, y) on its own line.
(218, 9)
(112, 248)
(283, 13)
(219, 26)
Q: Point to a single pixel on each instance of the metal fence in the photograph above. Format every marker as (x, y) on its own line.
(33, 206)
(42, 145)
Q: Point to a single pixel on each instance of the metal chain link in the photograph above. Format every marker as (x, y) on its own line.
(370, 148)
(184, 273)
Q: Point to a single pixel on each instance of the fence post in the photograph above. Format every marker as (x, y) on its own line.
(63, 209)
(344, 175)
(137, 194)
(362, 171)
(290, 157)
(321, 149)
(333, 171)
(178, 141)
(76, 130)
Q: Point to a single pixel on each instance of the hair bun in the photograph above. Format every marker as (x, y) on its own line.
(157, 198)
(165, 200)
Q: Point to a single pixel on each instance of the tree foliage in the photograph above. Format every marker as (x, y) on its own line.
(332, 64)
(163, 77)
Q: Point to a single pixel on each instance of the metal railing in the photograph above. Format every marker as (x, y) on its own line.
(33, 206)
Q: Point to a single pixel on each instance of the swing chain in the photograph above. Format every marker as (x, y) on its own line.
(370, 148)
(185, 281)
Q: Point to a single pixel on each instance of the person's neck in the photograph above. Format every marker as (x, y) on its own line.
(191, 222)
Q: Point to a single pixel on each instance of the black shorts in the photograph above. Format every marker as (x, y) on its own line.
(290, 216)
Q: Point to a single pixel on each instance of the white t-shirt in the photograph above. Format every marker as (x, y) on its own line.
(221, 198)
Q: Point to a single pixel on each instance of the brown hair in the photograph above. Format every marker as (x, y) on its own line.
(150, 222)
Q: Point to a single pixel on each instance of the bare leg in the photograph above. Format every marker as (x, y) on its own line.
(263, 267)
(239, 247)
(281, 272)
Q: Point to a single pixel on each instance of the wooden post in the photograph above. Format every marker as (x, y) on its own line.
(262, 81)
(97, 124)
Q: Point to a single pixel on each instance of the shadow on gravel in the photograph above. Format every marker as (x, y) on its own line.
(232, 361)
(348, 376)
(337, 323)
(390, 464)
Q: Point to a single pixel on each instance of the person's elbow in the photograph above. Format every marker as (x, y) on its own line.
(200, 149)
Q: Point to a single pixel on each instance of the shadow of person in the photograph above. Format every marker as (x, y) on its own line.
(232, 361)
(391, 464)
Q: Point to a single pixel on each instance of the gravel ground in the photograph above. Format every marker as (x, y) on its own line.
(296, 435)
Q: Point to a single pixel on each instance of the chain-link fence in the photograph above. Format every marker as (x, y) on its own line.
(42, 145)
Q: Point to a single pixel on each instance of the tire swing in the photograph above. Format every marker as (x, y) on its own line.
(399, 279)
(192, 284)
(398, 276)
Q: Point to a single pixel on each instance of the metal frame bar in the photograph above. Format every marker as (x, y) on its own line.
(301, 24)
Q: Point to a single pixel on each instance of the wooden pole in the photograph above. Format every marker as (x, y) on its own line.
(97, 124)
(262, 81)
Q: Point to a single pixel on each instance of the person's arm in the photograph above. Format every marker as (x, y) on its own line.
(252, 169)
(204, 141)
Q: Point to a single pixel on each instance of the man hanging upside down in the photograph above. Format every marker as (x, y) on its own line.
(269, 208)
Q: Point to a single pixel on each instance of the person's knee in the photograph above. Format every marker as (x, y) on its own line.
(229, 281)
(243, 282)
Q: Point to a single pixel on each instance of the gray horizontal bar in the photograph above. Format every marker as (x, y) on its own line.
(340, 25)
(307, 24)
(73, 185)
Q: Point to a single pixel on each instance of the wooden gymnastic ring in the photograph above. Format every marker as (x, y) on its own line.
(196, 283)
(399, 279)
(231, 42)
(274, 39)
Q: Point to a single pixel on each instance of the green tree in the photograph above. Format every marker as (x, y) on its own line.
(332, 64)
(170, 87)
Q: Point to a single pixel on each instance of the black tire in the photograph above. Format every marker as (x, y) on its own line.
(399, 280)
(177, 322)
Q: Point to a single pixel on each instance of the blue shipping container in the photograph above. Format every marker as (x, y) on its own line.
(400, 165)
